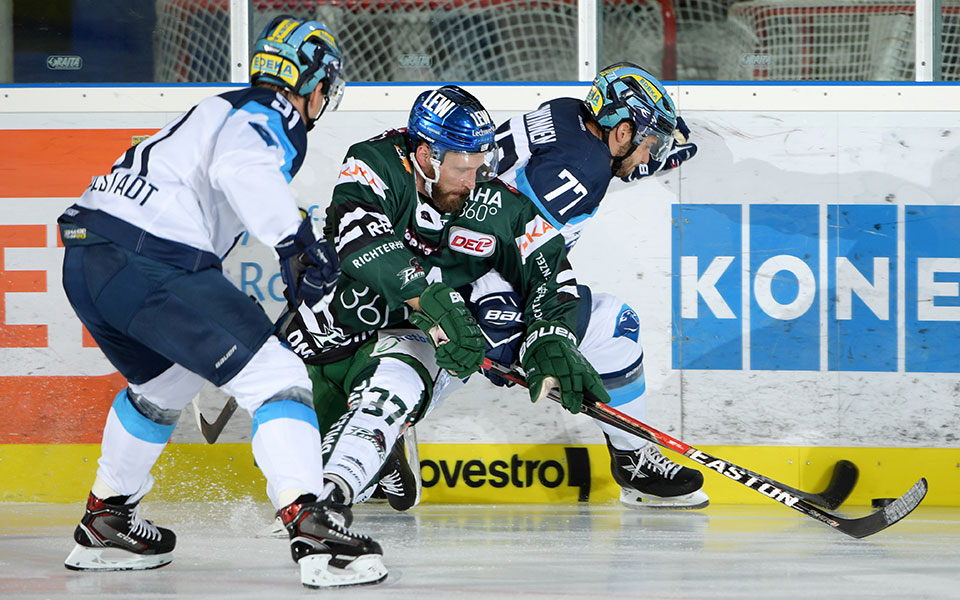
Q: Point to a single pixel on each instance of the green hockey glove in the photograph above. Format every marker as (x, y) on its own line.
(550, 353)
(445, 318)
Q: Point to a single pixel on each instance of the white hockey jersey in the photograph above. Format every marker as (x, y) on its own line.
(218, 170)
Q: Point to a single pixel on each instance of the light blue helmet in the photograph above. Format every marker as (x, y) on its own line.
(450, 119)
(625, 92)
(299, 56)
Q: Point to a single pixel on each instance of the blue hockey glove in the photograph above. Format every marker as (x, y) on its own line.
(309, 267)
(683, 129)
(501, 321)
(680, 151)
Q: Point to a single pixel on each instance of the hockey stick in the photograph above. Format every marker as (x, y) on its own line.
(212, 431)
(858, 528)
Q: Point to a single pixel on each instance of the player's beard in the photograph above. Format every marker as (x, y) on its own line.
(631, 162)
(449, 201)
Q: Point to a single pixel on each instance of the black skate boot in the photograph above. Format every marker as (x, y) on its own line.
(399, 482)
(329, 554)
(337, 504)
(112, 537)
(648, 479)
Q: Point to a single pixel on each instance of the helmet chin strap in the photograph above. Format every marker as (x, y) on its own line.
(618, 160)
(427, 182)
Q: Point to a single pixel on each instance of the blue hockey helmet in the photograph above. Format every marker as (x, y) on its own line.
(299, 56)
(625, 92)
(450, 119)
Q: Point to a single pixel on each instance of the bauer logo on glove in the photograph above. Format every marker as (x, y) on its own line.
(550, 358)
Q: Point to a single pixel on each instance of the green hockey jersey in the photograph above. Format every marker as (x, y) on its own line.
(392, 243)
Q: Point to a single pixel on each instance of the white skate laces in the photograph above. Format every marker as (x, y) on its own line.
(651, 458)
(142, 527)
(392, 484)
(338, 519)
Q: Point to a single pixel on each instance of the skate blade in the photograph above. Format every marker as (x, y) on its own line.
(413, 457)
(638, 500)
(316, 572)
(83, 558)
(366, 494)
(274, 530)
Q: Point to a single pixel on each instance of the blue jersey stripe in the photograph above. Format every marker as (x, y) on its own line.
(628, 393)
(138, 425)
(284, 409)
(276, 124)
(522, 184)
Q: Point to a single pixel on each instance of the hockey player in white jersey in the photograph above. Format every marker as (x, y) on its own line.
(142, 270)
(563, 156)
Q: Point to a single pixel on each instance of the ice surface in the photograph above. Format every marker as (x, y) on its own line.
(510, 551)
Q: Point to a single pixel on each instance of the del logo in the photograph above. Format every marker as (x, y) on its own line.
(808, 287)
(536, 233)
(573, 470)
(471, 242)
(355, 170)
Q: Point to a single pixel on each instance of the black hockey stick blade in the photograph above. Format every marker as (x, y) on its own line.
(212, 431)
(842, 482)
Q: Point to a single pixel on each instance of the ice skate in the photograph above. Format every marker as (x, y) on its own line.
(329, 554)
(276, 529)
(112, 537)
(400, 481)
(648, 479)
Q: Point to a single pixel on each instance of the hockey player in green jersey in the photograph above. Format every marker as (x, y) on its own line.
(563, 157)
(415, 214)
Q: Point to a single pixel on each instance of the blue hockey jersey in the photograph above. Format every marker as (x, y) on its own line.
(551, 157)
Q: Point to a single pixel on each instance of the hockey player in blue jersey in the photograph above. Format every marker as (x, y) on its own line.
(563, 156)
(142, 270)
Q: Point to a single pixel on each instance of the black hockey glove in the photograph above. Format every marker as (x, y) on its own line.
(444, 317)
(550, 351)
(681, 150)
(309, 267)
(500, 318)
